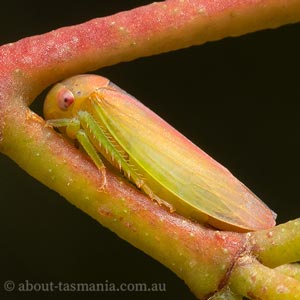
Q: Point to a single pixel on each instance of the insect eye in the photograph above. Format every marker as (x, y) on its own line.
(65, 98)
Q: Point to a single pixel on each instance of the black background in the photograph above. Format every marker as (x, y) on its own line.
(238, 99)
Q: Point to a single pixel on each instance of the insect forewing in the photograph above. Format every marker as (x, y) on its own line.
(175, 163)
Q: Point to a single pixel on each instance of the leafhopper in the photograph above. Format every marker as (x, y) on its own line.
(114, 127)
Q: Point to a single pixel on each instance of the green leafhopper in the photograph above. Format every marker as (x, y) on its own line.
(170, 169)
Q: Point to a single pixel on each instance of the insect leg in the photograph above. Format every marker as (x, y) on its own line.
(103, 142)
(58, 122)
(147, 190)
(72, 125)
(74, 132)
(84, 141)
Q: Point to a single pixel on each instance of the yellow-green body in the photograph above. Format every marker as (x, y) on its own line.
(169, 168)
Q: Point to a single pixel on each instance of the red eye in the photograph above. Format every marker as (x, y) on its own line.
(65, 98)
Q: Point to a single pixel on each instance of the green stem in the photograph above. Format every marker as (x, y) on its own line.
(279, 245)
(292, 270)
(256, 281)
(226, 294)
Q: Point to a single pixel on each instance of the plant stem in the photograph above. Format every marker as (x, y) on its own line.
(277, 246)
(292, 270)
(256, 281)
(157, 28)
(201, 256)
(226, 294)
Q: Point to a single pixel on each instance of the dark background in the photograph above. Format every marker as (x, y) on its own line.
(238, 99)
